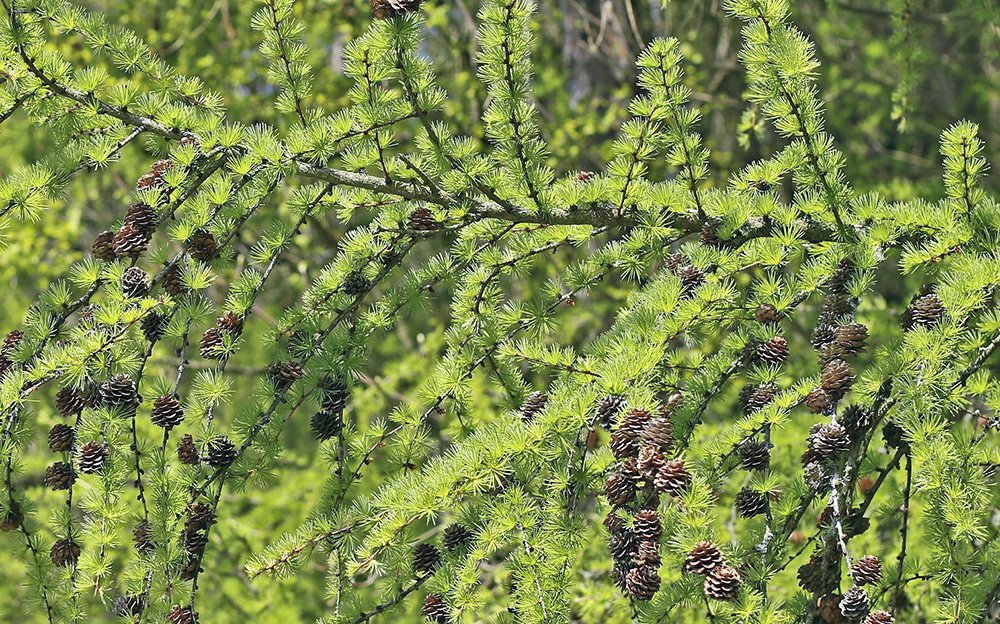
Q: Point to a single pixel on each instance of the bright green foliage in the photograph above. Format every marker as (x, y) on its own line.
(375, 244)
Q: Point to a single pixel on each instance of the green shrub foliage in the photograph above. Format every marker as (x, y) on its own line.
(536, 387)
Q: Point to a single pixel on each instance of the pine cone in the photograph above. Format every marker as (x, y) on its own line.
(703, 558)
(649, 462)
(819, 401)
(585, 176)
(647, 553)
(619, 574)
(750, 503)
(857, 419)
(755, 455)
(335, 395)
(173, 281)
(103, 246)
(130, 241)
(220, 452)
(12, 518)
(647, 526)
(59, 476)
(841, 277)
(673, 478)
(167, 412)
(194, 542)
(69, 401)
(435, 609)
(659, 433)
(425, 558)
(64, 552)
(154, 325)
(607, 410)
(182, 615)
(642, 582)
(199, 517)
(756, 398)
(61, 438)
(326, 424)
(774, 351)
(187, 451)
(142, 217)
(91, 457)
(835, 307)
(202, 246)
(767, 313)
(623, 445)
(823, 335)
(836, 379)
(142, 537)
(852, 338)
(622, 545)
(191, 568)
(866, 570)
(811, 577)
(231, 323)
(629, 468)
(880, 617)
(135, 283)
(212, 345)
(127, 605)
(533, 405)
(614, 523)
(119, 391)
(855, 604)
(284, 374)
(926, 311)
(355, 284)
(723, 583)
(828, 443)
(619, 490)
(456, 537)
(691, 278)
(894, 436)
(421, 219)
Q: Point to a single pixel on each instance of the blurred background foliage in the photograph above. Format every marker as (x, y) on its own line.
(894, 74)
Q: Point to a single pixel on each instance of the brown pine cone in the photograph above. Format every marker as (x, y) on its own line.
(926, 311)
(91, 457)
(836, 306)
(220, 452)
(691, 278)
(647, 553)
(59, 476)
(824, 334)
(187, 451)
(649, 461)
(12, 518)
(857, 419)
(142, 537)
(880, 617)
(827, 443)
(182, 615)
(866, 570)
(64, 552)
(435, 609)
(703, 558)
(841, 277)
(130, 241)
(647, 526)
(774, 351)
(284, 374)
(69, 401)
(127, 605)
(755, 455)
(194, 541)
(642, 582)
(61, 438)
(154, 325)
(426, 558)
(103, 246)
(167, 412)
(819, 401)
(135, 282)
(173, 281)
(421, 219)
(199, 517)
(894, 436)
(852, 338)
(673, 478)
(456, 537)
(623, 445)
(723, 583)
(533, 405)
(634, 422)
(855, 604)
(629, 468)
(619, 490)
(836, 379)
(767, 313)
(607, 410)
(212, 345)
(756, 398)
(659, 433)
(143, 217)
(810, 575)
(202, 246)
(622, 545)
(750, 503)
